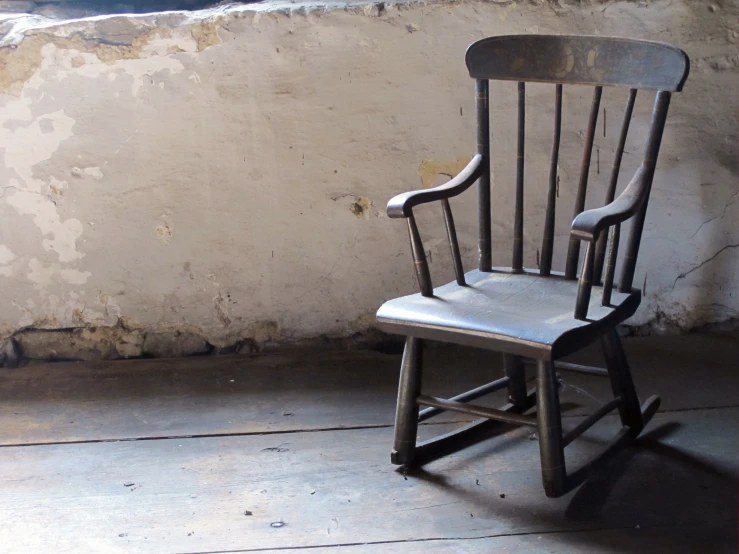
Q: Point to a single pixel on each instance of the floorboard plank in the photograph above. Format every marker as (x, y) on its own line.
(669, 540)
(337, 487)
(279, 392)
(197, 396)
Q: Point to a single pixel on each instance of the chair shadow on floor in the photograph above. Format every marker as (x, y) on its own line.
(652, 484)
(486, 430)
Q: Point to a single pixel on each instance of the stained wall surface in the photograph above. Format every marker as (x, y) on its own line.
(180, 180)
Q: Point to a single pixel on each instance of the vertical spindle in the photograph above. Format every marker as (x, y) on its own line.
(573, 252)
(547, 242)
(517, 264)
(484, 241)
(600, 249)
(656, 128)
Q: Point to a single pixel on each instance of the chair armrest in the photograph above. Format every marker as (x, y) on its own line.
(402, 204)
(589, 224)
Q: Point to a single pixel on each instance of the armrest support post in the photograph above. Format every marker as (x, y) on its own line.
(419, 258)
(453, 242)
(586, 283)
(611, 265)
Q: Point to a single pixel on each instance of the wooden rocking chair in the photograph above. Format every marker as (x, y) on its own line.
(559, 313)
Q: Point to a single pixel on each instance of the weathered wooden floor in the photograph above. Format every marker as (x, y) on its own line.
(290, 452)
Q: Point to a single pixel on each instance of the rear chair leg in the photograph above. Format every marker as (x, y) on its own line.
(515, 371)
(553, 470)
(621, 382)
(406, 414)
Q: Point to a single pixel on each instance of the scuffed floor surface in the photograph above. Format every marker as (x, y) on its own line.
(290, 452)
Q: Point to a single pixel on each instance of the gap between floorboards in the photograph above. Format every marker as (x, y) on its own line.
(321, 430)
(402, 541)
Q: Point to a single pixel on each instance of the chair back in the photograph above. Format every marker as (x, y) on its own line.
(572, 60)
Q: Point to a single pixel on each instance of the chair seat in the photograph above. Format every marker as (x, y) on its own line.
(523, 314)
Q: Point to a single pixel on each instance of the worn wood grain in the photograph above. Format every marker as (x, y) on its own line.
(337, 487)
(584, 60)
(672, 540)
(278, 392)
(199, 396)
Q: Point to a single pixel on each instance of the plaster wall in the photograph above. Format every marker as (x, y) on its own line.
(191, 179)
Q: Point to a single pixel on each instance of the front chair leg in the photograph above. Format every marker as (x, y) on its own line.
(622, 383)
(553, 470)
(406, 414)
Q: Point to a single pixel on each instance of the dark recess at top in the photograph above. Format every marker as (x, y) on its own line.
(69, 9)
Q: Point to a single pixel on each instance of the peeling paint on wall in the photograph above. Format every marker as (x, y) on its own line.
(117, 39)
(263, 331)
(24, 59)
(94, 172)
(25, 147)
(205, 35)
(6, 256)
(164, 232)
(361, 207)
(221, 306)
